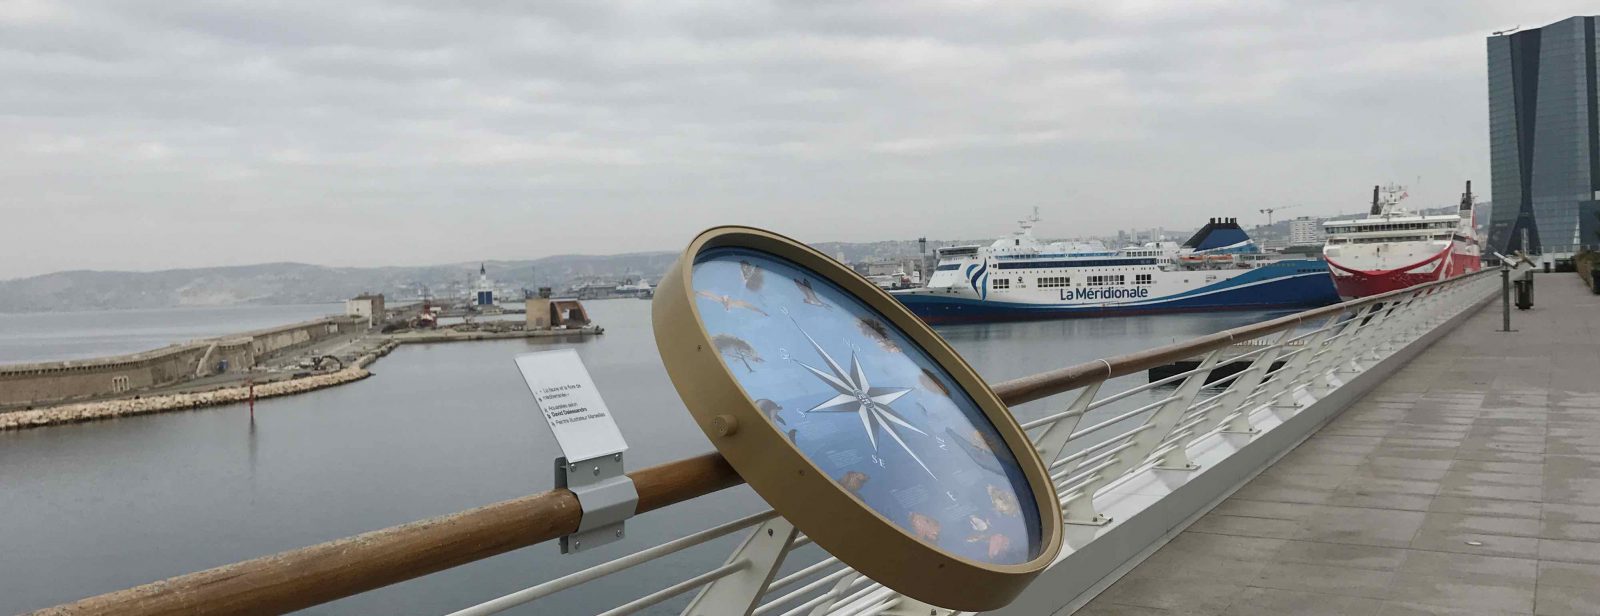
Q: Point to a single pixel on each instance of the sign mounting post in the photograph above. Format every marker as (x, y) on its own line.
(593, 446)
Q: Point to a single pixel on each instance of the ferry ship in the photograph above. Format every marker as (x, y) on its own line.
(1393, 248)
(1019, 278)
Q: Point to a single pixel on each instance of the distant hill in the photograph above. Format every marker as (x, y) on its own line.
(297, 283)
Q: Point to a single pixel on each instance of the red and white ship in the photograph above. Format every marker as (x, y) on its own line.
(1393, 248)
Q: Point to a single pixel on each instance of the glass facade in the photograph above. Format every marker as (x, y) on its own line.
(1544, 137)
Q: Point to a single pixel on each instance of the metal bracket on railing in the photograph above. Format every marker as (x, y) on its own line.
(760, 555)
(1079, 510)
(605, 493)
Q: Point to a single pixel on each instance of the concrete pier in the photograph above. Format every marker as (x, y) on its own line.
(1467, 483)
(59, 382)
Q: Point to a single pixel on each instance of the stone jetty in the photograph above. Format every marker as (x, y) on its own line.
(144, 405)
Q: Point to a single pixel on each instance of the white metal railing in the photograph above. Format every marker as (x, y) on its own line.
(1083, 463)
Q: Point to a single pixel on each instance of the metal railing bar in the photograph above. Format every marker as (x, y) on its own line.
(803, 573)
(1164, 381)
(675, 589)
(860, 593)
(871, 610)
(1102, 456)
(803, 590)
(1068, 486)
(831, 595)
(1200, 409)
(551, 587)
(1050, 419)
(1119, 418)
(1183, 428)
(1098, 446)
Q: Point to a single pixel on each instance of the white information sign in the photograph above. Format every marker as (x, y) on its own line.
(566, 395)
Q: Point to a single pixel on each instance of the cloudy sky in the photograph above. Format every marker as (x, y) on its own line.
(158, 134)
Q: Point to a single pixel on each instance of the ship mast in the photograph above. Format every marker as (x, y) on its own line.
(1028, 223)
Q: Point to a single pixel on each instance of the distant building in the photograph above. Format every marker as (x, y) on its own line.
(546, 313)
(1544, 139)
(483, 292)
(883, 267)
(368, 306)
(1306, 230)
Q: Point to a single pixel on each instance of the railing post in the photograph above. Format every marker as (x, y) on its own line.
(1231, 402)
(1167, 419)
(739, 592)
(1366, 333)
(1053, 440)
(833, 594)
(1326, 361)
(1078, 506)
(1285, 379)
(1162, 423)
(1364, 336)
(1391, 323)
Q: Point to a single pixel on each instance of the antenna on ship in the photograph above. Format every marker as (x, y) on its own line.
(1376, 209)
(1027, 223)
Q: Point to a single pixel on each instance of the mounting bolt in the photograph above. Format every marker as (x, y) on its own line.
(619, 532)
(597, 471)
(576, 543)
(725, 425)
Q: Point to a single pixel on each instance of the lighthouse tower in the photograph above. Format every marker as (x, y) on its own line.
(485, 287)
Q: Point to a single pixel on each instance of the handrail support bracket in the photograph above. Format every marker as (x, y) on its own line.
(606, 495)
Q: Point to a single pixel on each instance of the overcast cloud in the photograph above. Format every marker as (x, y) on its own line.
(157, 134)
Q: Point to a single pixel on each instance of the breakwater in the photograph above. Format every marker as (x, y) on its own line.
(145, 405)
(67, 381)
(447, 335)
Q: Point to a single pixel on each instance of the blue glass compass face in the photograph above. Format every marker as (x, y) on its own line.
(866, 405)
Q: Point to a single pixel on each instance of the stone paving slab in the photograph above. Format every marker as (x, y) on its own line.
(1468, 483)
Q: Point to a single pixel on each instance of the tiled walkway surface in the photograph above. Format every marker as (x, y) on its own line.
(1468, 483)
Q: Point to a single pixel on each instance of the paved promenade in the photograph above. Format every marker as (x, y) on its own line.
(1468, 483)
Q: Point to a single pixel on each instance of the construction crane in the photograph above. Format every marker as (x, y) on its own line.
(1270, 210)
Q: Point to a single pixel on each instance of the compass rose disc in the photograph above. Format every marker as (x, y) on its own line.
(854, 420)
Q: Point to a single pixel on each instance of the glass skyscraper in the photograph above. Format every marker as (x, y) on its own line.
(1544, 139)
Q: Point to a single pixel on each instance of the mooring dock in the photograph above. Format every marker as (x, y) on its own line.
(1468, 482)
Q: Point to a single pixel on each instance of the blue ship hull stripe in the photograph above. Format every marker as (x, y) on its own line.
(1279, 291)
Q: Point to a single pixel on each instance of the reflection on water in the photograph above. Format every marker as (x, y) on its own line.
(439, 428)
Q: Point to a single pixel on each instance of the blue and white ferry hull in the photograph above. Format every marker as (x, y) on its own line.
(1294, 283)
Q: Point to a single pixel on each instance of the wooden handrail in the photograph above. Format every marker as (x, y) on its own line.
(309, 576)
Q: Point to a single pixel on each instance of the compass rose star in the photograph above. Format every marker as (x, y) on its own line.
(856, 394)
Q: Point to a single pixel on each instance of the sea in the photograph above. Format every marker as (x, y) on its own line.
(92, 508)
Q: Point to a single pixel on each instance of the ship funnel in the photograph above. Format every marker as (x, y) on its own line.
(1376, 209)
(1466, 198)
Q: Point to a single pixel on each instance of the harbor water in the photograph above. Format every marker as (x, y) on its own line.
(92, 508)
